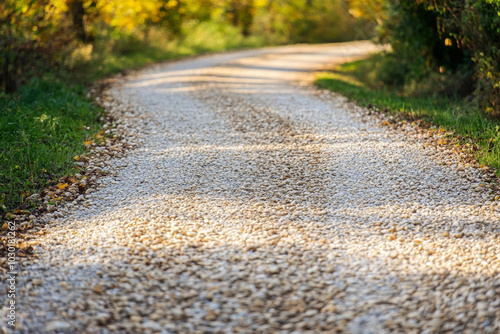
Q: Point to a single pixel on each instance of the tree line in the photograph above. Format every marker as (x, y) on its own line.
(43, 35)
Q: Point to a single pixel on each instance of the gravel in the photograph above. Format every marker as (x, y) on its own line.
(254, 203)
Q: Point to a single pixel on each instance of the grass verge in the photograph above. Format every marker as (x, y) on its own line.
(469, 126)
(42, 128)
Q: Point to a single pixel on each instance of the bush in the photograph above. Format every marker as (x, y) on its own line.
(33, 38)
(441, 46)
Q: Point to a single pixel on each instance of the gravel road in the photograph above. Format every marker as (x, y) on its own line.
(255, 203)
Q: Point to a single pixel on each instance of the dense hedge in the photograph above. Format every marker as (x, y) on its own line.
(473, 26)
(440, 46)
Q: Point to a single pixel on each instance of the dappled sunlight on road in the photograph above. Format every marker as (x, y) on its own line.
(256, 204)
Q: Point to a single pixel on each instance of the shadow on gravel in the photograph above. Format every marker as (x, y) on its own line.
(352, 283)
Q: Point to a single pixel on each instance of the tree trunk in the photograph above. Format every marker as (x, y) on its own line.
(77, 13)
(235, 20)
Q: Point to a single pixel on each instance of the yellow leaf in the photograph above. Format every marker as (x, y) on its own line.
(62, 185)
(98, 288)
(5, 226)
(77, 158)
(442, 142)
(88, 142)
(386, 123)
(482, 166)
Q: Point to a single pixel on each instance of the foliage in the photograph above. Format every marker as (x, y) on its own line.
(308, 21)
(441, 46)
(32, 38)
(471, 129)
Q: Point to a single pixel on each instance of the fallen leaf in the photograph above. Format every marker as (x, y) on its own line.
(386, 123)
(62, 186)
(98, 288)
(77, 158)
(88, 142)
(5, 226)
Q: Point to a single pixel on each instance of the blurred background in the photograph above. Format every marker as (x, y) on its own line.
(111, 35)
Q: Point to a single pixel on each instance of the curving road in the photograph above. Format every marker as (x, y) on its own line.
(258, 204)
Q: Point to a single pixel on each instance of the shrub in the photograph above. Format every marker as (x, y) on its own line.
(440, 46)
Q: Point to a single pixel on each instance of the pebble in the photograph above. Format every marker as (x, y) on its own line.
(57, 326)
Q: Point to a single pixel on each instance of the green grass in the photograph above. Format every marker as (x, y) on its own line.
(41, 130)
(44, 125)
(357, 81)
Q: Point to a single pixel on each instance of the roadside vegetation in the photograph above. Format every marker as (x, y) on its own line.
(464, 122)
(42, 129)
(443, 67)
